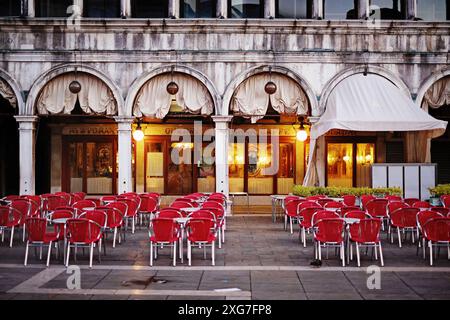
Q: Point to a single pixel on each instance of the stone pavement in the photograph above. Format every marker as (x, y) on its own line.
(258, 261)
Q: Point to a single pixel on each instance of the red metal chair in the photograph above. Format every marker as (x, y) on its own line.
(365, 199)
(333, 205)
(114, 221)
(36, 205)
(147, 207)
(410, 201)
(181, 204)
(403, 219)
(421, 205)
(80, 195)
(97, 201)
(377, 208)
(328, 232)
(71, 209)
(437, 233)
(357, 214)
(308, 204)
(344, 210)
(219, 212)
(60, 214)
(393, 198)
(11, 197)
(201, 232)
(66, 196)
(291, 211)
(101, 218)
(217, 195)
(51, 202)
(191, 197)
(108, 199)
(24, 206)
(305, 218)
(349, 200)
(315, 198)
(38, 236)
(445, 199)
(10, 218)
(422, 218)
(366, 233)
(83, 233)
(323, 214)
(203, 214)
(164, 232)
(324, 201)
(132, 212)
(79, 206)
(441, 210)
(394, 205)
(169, 213)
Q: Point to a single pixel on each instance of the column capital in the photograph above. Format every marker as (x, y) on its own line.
(313, 120)
(222, 118)
(124, 119)
(27, 122)
(22, 118)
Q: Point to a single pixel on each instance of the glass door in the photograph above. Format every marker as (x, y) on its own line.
(286, 168)
(180, 176)
(260, 177)
(154, 166)
(340, 164)
(364, 159)
(236, 166)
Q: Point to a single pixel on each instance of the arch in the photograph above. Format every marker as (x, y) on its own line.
(232, 86)
(140, 81)
(5, 76)
(331, 84)
(428, 82)
(43, 79)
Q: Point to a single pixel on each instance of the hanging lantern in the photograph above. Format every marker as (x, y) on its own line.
(172, 88)
(75, 87)
(302, 134)
(270, 87)
(138, 134)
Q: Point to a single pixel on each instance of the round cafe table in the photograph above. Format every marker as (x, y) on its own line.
(62, 221)
(277, 204)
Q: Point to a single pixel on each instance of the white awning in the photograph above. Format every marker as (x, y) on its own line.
(373, 103)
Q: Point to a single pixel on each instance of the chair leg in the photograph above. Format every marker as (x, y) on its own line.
(320, 250)
(357, 255)
(23, 233)
(342, 254)
(68, 254)
(151, 254)
(49, 252)
(91, 255)
(424, 249)
(99, 243)
(290, 224)
(12, 237)
(26, 253)
(430, 245)
(189, 252)
(132, 226)
(375, 251)
(213, 253)
(174, 253)
(223, 232)
(220, 237)
(399, 238)
(304, 237)
(115, 235)
(381, 254)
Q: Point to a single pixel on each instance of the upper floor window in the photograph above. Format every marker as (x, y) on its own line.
(51, 8)
(9, 8)
(339, 9)
(388, 9)
(150, 9)
(101, 8)
(246, 9)
(293, 9)
(198, 8)
(433, 10)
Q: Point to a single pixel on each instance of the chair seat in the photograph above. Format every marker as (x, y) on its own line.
(171, 239)
(325, 240)
(210, 238)
(362, 240)
(51, 236)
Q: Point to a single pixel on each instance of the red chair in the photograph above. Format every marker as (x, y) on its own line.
(217, 195)
(324, 201)
(11, 197)
(344, 210)
(333, 205)
(83, 233)
(101, 218)
(165, 232)
(181, 204)
(403, 219)
(114, 221)
(80, 195)
(60, 214)
(437, 233)
(357, 214)
(24, 206)
(309, 204)
(108, 199)
(394, 205)
(71, 209)
(51, 202)
(291, 211)
(82, 204)
(315, 198)
(38, 236)
(97, 201)
(393, 198)
(365, 199)
(328, 232)
(203, 214)
(191, 197)
(377, 208)
(132, 212)
(219, 212)
(36, 205)
(169, 213)
(66, 196)
(349, 200)
(421, 205)
(201, 232)
(305, 218)
(445, 199)
(441, 210)
(410, 201)
(366, 233)
(422, 218)
(10, 218)
(147, 207)
(289, 198)
(218, 200)
(323, 214)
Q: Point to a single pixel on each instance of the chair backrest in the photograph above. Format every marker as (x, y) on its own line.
(148, 204)
(292, 207)
(108, 198)
(365, 199)
(97, 201)
(216, 195)
(306, 215)
(181, 204)
(357, 214)
(11, 197)
(421, 205)
(36, 228)
(121, 206)
(203, 214)
(377, 207)
(393, 198)
(169, 213)
(82, 230)
(367, 230)
(191, 197)
(80, 205)
(61, 214)
(51, 202)
(437, 229)
(404, 217)
(98, 216)
(323, 214)
(66, 196)
(216, 199)
(445, 199)
(425, 215)
(309, 204)
(34, 198)
(71, 209)
(10, 216)
(289, 198)
(441, 210)
(344, 210)
(394, 205)
(22, 205)
(333, 205)
(410, 201)
(132, 207)
(315, 198)
(114, 217)
(323, 201)
(200, 229)
(329, 229)
(164, 229)
(214, 205)
(349, 200)
(77, 196)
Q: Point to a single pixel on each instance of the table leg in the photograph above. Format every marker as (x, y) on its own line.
(181, 244)
(248, 203)
(274, 219)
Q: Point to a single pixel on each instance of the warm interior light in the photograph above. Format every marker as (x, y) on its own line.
(346, 158)
(182, 145)
(138, 134)
(369, 158)
(302, 135)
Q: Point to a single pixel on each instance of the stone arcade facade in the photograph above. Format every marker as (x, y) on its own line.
(125, 53)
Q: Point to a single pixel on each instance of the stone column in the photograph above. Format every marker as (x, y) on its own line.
(125, 182)
(125, 8)
(269, 9)
(411, 9)
(363, 9)
(174, 9)
(317, 10)
(27, 8)
(222, 9)
(79, 3)
(27, 145)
